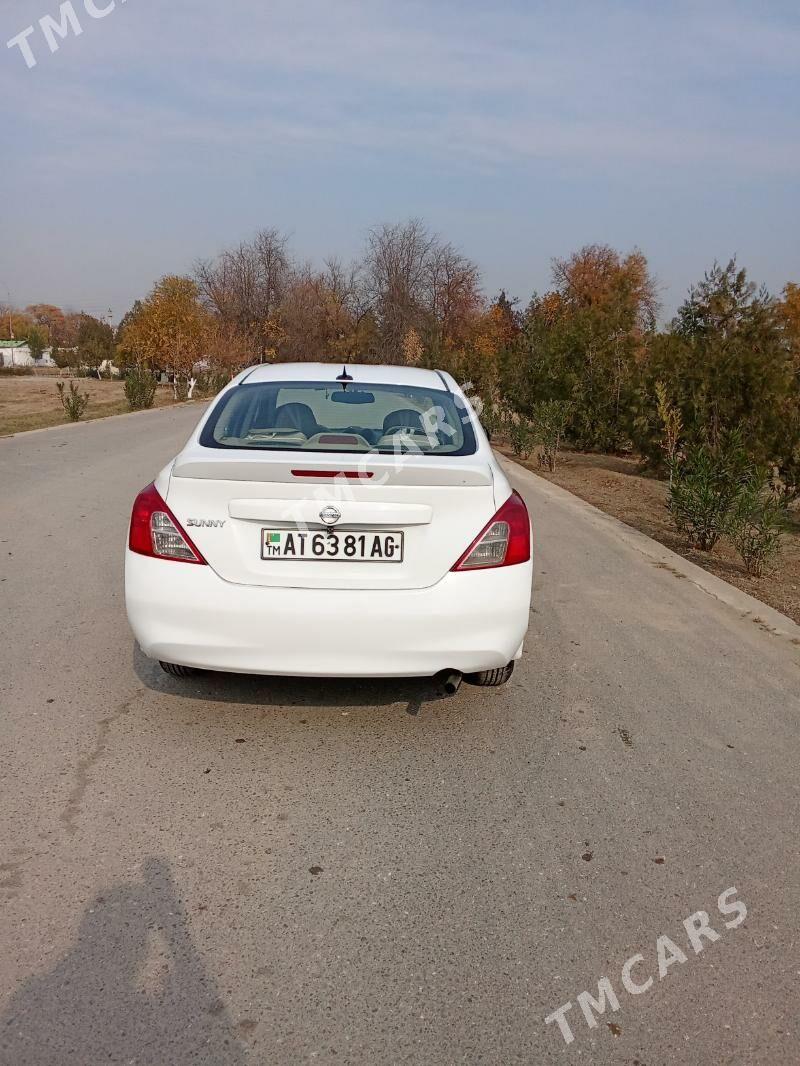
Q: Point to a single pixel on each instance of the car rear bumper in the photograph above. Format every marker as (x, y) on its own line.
(188, 615)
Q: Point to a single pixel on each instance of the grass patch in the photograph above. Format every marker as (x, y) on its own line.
(33, 402)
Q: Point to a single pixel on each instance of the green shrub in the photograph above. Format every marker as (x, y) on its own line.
(74, 402)
(672, 425)
(522, 437)
(704, 485)
(140, 388)
(758, 520)
(549, 419)
(492, 417)
(210, 383)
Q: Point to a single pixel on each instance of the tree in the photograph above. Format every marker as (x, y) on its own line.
(170, 330)
(323, 314)
(124, 357)
(415, 281)
(498, 327)
(305, 316)
(788, 309)
(736, 370)
(583, 342)
(37, 341)
(453, 298)
(351, 322)
(63, 357)
(412, 348)
(725, 363)
(408, 279)
(14, 324)
(539, 364)
(95, 342)
(397, 276)
(244, 287)
(603, 315)
(53, 320)
(72, 323)
(598, 277)
(226, 349)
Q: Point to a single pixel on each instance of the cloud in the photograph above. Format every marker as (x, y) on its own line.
(613, 84)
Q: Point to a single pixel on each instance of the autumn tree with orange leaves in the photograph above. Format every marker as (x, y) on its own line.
(788, 308)
(170, 331)
(582, 342)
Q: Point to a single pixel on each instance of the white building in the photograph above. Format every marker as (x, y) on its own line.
(17, 353)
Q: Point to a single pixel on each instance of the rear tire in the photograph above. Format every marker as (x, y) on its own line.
(177, 671)
(491, 678)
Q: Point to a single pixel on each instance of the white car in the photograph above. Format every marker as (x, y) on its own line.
(333, 521)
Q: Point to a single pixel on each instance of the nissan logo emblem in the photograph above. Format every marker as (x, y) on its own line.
(330, 515)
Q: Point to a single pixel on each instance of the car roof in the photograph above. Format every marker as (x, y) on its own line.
(365, 373)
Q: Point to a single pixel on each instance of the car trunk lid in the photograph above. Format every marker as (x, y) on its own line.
(438, 503)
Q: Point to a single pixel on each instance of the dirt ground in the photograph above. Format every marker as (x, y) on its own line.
(33, 402)
(617, 486)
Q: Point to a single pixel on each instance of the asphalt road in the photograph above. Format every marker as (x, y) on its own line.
(244, 870)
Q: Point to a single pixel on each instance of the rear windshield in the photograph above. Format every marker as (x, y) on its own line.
(323, 417)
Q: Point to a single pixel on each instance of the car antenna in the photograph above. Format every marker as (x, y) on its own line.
(344, 377)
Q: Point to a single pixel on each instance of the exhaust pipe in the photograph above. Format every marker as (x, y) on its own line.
(450, 681)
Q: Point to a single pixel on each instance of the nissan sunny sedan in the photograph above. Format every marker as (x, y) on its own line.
(333, 521)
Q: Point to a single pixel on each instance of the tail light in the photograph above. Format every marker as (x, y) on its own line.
(504, 541)
(155, 530)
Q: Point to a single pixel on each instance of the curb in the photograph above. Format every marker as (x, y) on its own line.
(746, 606)
(101, 418)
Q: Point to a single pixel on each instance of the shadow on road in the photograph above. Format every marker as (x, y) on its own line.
(132, 989)
(273, 691)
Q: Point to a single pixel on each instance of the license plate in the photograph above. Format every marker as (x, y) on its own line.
(367, 546)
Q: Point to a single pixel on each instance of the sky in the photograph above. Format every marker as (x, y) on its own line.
(169, 129)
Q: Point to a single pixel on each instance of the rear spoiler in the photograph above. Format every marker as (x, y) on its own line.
(466, 471)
